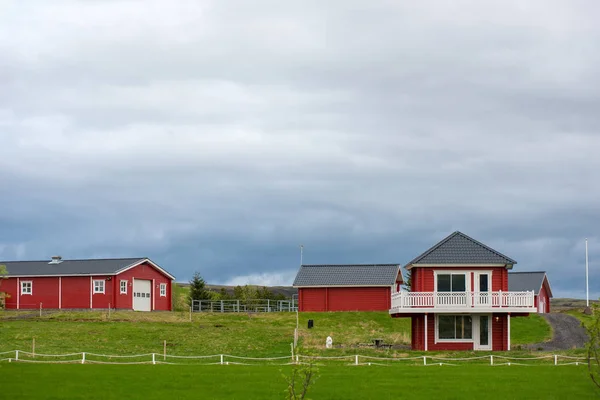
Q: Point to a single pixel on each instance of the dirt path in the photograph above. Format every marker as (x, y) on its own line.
(567, 333)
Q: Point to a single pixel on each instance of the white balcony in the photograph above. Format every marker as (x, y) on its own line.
(463, 302)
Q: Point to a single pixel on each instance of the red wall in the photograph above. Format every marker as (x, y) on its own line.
(144, 271)
(423, 277)
(345, 299)
(544, 296)
(499, 335)
(76, 291)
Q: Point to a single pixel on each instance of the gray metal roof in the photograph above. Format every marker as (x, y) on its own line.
(347, 275)
(523, 281)
(459, 248)
(71, 267)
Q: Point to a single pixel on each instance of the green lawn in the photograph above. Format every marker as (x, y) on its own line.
(234, 382)
(531, 329)
(254, 335)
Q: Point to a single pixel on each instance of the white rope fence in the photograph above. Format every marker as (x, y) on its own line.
(227, 359)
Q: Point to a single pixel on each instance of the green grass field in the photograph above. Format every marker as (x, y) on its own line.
(254, 335)
(266, 382)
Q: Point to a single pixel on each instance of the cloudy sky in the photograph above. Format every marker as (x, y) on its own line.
(218, 136)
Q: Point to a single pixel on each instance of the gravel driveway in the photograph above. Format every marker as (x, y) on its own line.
(567, 333)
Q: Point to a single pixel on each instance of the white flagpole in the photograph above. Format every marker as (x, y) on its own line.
(587, 288)
(301, 251)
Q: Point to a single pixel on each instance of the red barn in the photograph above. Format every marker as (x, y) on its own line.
(460, 299)
(537, 282)
(347, 287)
(126, 283)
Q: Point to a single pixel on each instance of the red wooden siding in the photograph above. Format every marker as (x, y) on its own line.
(543, 296)
(499, 335)
(143, 271)
(423, 277)
(345, 299)
(76, 291)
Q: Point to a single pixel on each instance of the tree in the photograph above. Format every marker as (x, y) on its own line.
(198, 289)
(408, 280)
(301, 378)
(593, 345)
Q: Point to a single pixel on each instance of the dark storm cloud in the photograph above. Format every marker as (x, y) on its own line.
(218, 136)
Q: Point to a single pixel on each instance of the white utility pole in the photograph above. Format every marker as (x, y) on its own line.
(587, 287)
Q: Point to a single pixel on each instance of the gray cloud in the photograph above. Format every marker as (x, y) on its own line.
(220, 135)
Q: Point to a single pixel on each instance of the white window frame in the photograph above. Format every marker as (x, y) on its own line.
(121, 286)
(163, 290)
(437, 329)
(467, 275)
(103, 286)
(23, 286)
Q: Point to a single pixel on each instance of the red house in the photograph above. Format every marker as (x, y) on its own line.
(126, 283)
(459, 298)
(347, 287)
(537, 282)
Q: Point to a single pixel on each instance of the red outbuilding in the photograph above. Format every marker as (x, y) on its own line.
(357, 287)
(126, 283)
(537, 282)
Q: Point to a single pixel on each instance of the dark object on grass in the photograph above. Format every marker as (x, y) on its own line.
(310, 323)
(587, 311)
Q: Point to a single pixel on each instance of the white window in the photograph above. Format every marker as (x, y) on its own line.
(454, 327)
(123, 287)
(163, 290)
(99, 286)
(26, 287)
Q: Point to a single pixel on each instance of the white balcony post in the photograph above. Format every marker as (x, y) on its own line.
(508, 318)
(425, 332)
(500, 297)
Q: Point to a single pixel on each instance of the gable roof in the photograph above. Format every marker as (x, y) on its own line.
(348, 275)
(459, 248)
(527, 281)
(109, 266)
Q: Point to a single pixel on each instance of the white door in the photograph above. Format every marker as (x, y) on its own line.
(482, 332)
(142, 290)
(541, 306)
(482, 289)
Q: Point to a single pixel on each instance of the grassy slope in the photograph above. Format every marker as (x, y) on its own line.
(236, 334)
(164, 382)
(532, 329)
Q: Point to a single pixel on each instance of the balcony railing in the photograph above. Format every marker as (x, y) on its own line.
(403, 301)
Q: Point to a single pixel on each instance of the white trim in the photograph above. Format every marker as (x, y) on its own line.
(59, 293)
(30, 288)
(453, 272)
(476, 332)
(456, 265)
(91, 292)
(437, 330)
(153, 294)
(161, 286)
(18, 294)
(426, 338)
(103, 286)
(331, 286)
(121, 286)
(140, 262)
(508, 318)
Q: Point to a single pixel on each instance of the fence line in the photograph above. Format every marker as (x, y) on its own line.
(227, 359)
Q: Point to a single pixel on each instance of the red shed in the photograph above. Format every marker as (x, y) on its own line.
(125, 283)
(536, 282)
(357, 287)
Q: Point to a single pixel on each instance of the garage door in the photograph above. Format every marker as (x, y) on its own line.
(142, 290)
